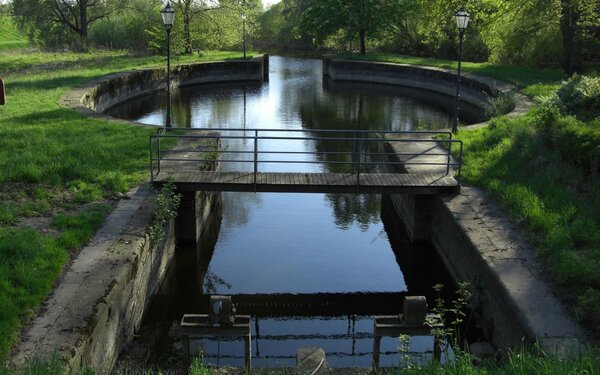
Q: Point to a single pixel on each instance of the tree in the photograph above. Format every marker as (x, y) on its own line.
(75, 15)
(326, 17)
(579, 25)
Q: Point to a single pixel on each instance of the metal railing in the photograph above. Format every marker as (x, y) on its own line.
(343, 151)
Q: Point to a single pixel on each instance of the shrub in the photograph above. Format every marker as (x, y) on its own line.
(500, 104)
(580, 96)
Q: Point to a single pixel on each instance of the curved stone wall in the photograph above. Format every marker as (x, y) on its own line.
(475, 90)
(98, 96)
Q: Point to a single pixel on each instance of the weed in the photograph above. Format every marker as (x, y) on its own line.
(167, 202)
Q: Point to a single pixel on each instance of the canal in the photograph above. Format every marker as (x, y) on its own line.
(311, 269)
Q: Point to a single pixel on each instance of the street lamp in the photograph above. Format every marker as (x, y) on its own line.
(168, 16)
(244, 31)
(462, 21)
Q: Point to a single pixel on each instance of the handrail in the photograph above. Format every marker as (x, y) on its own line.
(360, 150)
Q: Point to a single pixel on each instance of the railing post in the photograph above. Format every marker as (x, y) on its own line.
(449, 157)
(151, 161)
(359, 144)
(255, 157)
(158, 153)
(460, 160)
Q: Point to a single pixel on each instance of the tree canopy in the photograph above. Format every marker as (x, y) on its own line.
(523, 32)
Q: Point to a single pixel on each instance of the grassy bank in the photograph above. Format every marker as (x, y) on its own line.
(59, 171)
(530, 363)
(10, 37)
(543, 168)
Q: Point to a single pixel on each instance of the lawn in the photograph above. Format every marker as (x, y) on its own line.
(59, 171)
(542, 168)
(10, 37)
(65, 170)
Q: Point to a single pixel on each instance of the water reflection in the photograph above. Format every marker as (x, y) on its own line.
(312, 269)
(340, 321)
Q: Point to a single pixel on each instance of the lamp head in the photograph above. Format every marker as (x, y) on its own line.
(462, 19)
(168, 15)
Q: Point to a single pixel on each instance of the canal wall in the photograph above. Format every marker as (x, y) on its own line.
(98, 96)
(99, 304)
(475, 90)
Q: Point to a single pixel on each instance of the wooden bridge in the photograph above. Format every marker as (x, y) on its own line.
(306, 161)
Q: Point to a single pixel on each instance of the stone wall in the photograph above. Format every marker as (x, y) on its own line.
(98, 96)
(475, 90)
(99, 304)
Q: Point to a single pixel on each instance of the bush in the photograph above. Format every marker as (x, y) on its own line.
(588, 308)
(500, 104)
(580, 96)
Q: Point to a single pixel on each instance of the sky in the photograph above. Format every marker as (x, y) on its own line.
(268, 3)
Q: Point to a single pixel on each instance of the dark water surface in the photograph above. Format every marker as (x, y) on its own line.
(311, 269)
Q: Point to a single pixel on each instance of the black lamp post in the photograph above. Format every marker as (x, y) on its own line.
(462, 21)
(244, 32)
(168, 16)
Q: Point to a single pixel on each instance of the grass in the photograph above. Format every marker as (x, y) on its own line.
(53, 162)
(555, 199)
(538, 168)
(533, 362)
(531, 80)
(10, 37)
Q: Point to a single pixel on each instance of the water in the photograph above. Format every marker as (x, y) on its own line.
(311, 269)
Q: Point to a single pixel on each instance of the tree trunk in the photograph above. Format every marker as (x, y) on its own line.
(187, 20)
(569, 17)
(363, 48)
(83, 31)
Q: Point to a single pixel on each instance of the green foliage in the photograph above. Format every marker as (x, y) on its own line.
(541, 168)
(451, 318)
(167, 202)
(580, 96)
(29, 263)
(127, 29)
(52, 160)
(10, 37)
(500, 104)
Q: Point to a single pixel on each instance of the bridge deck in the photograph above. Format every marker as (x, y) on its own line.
(377, 183)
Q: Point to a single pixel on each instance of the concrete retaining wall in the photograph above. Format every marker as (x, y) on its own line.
(100, 303)
(98, 96)
(475, 90)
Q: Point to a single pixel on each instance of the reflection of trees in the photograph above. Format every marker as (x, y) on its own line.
(212, 282)
(236, 207)
(349, 208)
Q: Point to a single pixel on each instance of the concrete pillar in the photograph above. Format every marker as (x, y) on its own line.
(185, 222)
(415, 213)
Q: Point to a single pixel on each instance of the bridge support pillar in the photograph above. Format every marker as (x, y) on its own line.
(415, 212)
(193, 214)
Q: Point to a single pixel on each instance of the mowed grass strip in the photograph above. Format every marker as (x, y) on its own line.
(54, 161)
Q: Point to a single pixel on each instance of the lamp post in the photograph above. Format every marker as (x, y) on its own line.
(244, 32)
(462, 21)
(168, 16)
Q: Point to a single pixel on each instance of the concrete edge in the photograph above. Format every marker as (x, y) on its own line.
(496, 256)
(522, 102)
(479, 244)
(81, 99)
(100, 301)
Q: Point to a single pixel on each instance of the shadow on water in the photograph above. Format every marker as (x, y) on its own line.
(311, 269)
(341, 323)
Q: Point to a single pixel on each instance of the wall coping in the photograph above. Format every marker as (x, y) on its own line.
(83, 99)
(522, 102)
